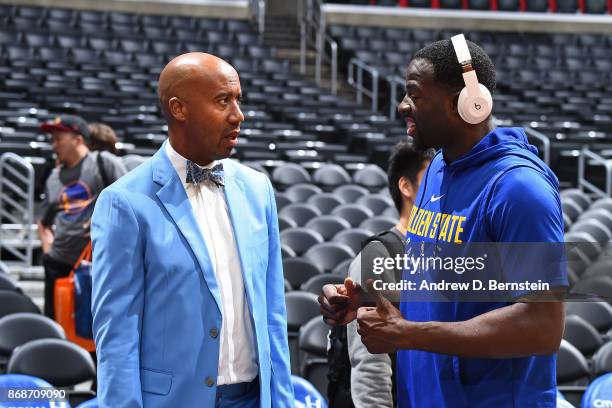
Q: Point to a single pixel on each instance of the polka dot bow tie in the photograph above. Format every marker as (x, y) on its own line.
(196, 174)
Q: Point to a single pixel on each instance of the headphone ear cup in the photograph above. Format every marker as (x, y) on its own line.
(475, 109)
(461, 103)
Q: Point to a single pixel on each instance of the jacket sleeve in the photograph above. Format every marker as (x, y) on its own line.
(281, 387)
(117, 300)
(370, 373)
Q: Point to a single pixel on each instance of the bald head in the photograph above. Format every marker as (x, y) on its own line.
(183, 73)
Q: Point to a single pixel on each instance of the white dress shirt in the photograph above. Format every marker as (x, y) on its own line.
(237, 354)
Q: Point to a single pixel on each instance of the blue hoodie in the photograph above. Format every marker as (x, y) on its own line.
(500, 191)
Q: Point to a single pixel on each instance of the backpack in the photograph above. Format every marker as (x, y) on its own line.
(339, 375)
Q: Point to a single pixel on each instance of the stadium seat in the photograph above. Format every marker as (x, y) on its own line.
(353, 238)
(300, 193)
(289, 174)
(315, 284)
(328, 225)
(301, 307)
(60, 362)
(300, 213)
(603, 203)
(595, 6)
(600, 214)
(328, 255)
(350, 193)
(602, 360)
(598, 314)
(285, 222)
(19, 328)
(378, 224)
(376, 202)
(537, 5)
(371, 177)
(578, 196)
(585, 244)
(567, 6)
(7, 283)
(306, 394)
(355, 214)
(300, 239)
(572, 367)
(287, 252)
(597, 286)
(479, 5)
(15, 302)
(602, 266)
(313, 346)
(594, 228)
(281, 200)
(508, 5)
(571, 209)
(325, 202)
(28, 382)
(298, 270)
(330, 176)
(582, 335)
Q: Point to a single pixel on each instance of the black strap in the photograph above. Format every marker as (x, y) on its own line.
(339, 374)
(392, 242)
(105, 179)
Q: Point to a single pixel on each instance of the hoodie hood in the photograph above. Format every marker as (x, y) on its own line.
(501, 141)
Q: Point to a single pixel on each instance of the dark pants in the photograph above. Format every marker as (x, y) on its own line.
(241, 395)
(53, 269)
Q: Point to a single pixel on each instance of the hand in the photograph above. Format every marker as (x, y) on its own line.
(380, 327)
(339, 303)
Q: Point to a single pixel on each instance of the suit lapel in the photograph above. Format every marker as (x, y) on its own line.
(236, 203)
(174, 198)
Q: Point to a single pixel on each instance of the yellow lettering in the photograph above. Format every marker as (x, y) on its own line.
(444, 229)
(459, 230)
(413, 213)
(434, 227)
(454, 219)
(417, 223)
(427, 223)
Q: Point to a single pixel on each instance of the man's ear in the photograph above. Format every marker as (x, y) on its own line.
(406, 188)
(177, 109)
(453, 102)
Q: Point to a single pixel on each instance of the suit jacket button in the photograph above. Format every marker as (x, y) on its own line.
(214, 333)
(209, 382)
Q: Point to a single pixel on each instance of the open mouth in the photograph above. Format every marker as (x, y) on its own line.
(411, 126)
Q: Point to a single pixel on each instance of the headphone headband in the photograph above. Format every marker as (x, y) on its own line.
(461, 49)
(475, 103)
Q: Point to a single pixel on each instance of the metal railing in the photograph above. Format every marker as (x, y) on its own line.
(395, 82)
(258, 14)
(594, 158)
(312, 34)
(17, 207)
(545, 140)
(356, 68)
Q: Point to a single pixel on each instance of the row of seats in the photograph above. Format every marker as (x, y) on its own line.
(556, 83)
(561, 6)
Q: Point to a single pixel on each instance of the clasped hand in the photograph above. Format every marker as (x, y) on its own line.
(379, 326)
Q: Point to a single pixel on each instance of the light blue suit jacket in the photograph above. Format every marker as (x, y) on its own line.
(156, 303)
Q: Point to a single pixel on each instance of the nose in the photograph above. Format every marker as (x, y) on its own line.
(405, 106)
(236, 116)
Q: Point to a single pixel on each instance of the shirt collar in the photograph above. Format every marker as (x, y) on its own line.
(180, 163)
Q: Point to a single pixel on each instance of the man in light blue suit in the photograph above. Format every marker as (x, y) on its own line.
(188, 290)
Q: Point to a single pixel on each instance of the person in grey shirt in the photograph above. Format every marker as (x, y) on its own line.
(371, 374)
(70, 194)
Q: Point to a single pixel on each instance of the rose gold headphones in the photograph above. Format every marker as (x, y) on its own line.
(475, 102)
